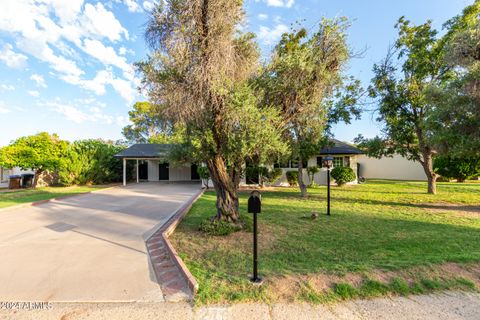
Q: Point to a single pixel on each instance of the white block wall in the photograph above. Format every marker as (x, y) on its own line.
(396, 168)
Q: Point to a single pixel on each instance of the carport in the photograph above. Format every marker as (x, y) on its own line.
(151, 164)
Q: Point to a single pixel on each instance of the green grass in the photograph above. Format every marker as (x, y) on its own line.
(8, 199)
(386, 226)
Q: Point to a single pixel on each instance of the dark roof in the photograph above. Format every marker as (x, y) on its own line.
(145, 150)
(340, 147)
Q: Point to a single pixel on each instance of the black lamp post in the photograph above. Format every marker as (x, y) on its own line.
(327, 162)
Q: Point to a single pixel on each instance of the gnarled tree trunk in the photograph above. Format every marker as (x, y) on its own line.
(227, 199)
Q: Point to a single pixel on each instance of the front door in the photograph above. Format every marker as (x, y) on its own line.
(143, 170)
(163, 171)
(194, 172)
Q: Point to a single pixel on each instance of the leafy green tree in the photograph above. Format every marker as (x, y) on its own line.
(456, 118)
(401, 93)
(41, 152)
(91, 162)
(303, 81)
(199, 73)
(148, 125)
(457, 168)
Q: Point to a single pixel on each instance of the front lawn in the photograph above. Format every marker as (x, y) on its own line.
(14, 197)
(384, 237)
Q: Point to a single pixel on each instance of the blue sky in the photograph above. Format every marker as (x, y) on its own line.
(65, 65)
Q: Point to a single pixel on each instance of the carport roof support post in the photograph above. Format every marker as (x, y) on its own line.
(124, 171)
(137, 171)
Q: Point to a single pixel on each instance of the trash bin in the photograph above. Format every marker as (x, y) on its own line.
(27, 180)
(14, 182)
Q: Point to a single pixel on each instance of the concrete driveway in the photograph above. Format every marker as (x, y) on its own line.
(86, 248)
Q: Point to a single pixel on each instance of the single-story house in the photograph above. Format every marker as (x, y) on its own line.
(152, 165)
(344, 155)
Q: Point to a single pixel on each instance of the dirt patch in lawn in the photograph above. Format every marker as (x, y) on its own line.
(286, 288)
(457, 210)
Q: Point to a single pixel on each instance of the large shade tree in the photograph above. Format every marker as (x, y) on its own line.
(456, 118)
(147, 124)
(41, 152)
(303, 81)
(400, 85)
(199, 72)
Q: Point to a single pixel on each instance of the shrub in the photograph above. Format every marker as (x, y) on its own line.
(218, 227)
(311, 174)
(90, 162)
(343, 175)
(269, 175)
(292, 178)
(204, 174)
(457, 168)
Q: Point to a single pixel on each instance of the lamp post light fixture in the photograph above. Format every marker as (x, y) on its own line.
(327, 162)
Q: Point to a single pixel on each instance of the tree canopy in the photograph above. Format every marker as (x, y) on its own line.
(199, 72)
(40, 152)
(303, 81)
(403, 105)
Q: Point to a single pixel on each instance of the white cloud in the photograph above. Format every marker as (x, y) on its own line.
(6, 87)
(81, 113)
(45, 29)
(39, 80)
(105, 77)
(148, 5)
(122, 121)
(269, 36)
(132, 5)
(3, 109)
(262, 16)
(11, 58)
(103, 23)
(34, 93)
(106, 55)
(280, 3)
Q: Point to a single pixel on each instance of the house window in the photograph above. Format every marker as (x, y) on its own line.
(337, 162)
(320, 162)
(289, 164)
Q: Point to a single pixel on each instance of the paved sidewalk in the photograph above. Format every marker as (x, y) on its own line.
(443, 306)
(88, 247)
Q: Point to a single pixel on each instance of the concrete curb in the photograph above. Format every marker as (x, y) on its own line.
(161, 236)
(36, 203)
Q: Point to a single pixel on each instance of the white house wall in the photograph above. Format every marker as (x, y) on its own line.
(153, 170)
(396, 168)
(180, 172)
(176, 172)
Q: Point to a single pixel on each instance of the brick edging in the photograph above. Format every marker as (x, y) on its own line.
(39, 202)
(164, 232)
